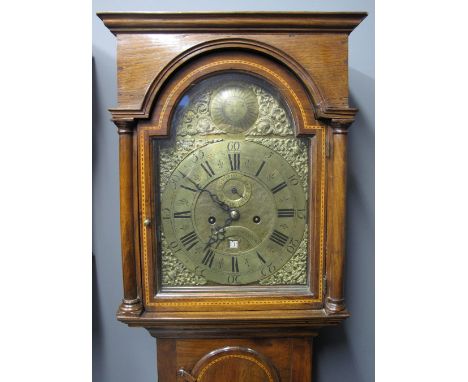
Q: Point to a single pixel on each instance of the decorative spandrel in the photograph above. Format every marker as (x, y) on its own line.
(233, 188)
(242, 106)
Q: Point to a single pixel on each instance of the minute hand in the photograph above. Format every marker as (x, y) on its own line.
(213, 197)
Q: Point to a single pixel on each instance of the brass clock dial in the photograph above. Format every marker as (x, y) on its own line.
(234, 212)
(232, 186)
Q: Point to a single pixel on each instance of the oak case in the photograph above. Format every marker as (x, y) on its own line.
(304, 56)
(244, 298)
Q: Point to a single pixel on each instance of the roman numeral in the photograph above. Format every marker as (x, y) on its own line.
(260, 169)
(183, 215)
(189, 240)
(234, 160)
(279, 238)
(286, 213)
(261, 258)
(279, 187)
(207, 169)
(188, 188)
(235, 264)
(209, 256)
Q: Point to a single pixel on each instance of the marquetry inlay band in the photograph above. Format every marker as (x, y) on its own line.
(144, 133)
(240, 356)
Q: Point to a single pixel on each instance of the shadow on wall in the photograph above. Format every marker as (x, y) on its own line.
(346, 353)
(97, 109)
(97, 340)
(96, 316)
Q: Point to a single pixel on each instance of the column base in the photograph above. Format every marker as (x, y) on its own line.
(334, 305)
(130, 308)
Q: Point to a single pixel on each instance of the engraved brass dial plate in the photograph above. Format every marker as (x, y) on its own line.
(233, 183)
(234, 212)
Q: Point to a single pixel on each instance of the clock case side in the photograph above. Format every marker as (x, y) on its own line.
(335, 115)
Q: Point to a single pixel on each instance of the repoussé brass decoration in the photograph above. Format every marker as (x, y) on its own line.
(233, 203)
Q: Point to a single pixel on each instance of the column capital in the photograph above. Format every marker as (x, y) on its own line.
(125, 127)
(341, 126)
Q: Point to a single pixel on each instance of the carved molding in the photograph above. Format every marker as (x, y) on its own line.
(238, 22)
(212, 324)
(338, 118)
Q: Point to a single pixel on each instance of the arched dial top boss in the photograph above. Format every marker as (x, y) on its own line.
(234, 212)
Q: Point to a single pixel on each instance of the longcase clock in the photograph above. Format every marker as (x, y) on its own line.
(232, 184)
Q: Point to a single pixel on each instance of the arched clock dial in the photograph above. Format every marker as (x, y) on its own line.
(234, 212)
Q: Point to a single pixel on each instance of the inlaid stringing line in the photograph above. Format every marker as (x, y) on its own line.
(143, 191)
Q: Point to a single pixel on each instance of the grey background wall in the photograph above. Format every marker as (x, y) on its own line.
(346, 353)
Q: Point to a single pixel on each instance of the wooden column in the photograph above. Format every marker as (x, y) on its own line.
(334, 301)
(131, 303)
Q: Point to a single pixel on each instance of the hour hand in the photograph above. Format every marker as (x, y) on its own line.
(216, 237)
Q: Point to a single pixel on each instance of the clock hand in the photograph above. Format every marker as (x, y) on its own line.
(227, 223)
(235, 192)
(213, 197)
(215, 237)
